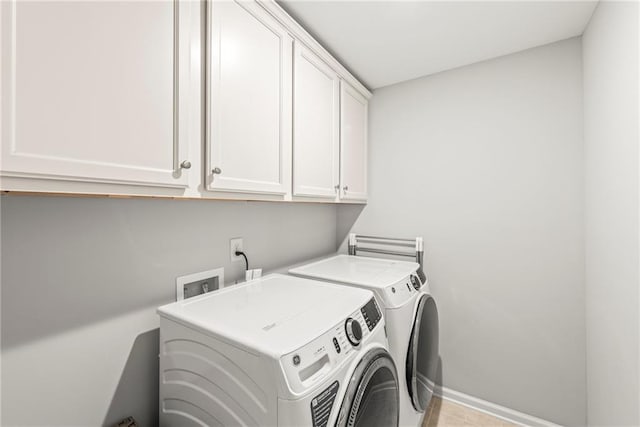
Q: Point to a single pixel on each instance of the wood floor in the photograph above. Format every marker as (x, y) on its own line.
(444, 413)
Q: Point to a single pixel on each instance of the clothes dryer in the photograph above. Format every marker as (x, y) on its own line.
(410, 314)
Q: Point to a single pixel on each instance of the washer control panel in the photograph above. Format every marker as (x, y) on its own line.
(314, 361)
(371, 314)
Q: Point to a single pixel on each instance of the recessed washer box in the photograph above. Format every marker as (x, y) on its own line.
(199, 283)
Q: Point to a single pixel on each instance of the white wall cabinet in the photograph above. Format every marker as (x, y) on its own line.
(316, 124)
(91, 91)
(353, 143)
(249, 101)
(157, 99)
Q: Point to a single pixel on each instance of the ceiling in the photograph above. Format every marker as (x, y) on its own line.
(386, 42)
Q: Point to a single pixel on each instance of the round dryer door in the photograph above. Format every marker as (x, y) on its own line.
(422, 355)
(371, 399)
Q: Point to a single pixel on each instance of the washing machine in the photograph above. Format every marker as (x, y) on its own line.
(409, 309)
(277, 351)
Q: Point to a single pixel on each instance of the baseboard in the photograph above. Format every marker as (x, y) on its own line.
(504, 413)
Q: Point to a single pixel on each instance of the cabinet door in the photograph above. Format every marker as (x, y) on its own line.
(249, 100)
(90, 91)
(353, 144)
(316, 116)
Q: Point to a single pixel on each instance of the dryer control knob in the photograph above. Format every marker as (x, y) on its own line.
(415, 282)
(354, 331)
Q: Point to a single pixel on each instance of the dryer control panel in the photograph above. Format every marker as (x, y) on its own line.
(403, 291)
(313, 362)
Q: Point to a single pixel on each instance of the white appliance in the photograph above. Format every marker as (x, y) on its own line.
(277, 351)
(410, 314)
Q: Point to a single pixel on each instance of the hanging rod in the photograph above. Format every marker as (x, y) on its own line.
(417, 244)
(361, 237)
(386, 252)
(390, 242)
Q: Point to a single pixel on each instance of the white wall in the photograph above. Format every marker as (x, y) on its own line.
(486, 163)
(610, 51)
(81, 279)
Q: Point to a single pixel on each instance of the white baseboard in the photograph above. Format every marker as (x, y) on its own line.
(504, 413)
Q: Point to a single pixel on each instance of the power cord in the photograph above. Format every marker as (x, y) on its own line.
(246, 261)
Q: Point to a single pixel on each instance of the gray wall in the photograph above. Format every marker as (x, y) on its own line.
(81, 279)
(610, 49)
(486, 163)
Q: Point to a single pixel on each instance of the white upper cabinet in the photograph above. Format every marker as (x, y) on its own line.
(215, 99)
(91, 90)
(249, 100)
(353, 143)
(316, 124)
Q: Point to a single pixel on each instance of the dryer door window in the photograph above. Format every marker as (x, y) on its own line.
(422, 355)
(371, 399)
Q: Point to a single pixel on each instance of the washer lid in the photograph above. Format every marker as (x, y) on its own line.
(357, 270)
(273, 315)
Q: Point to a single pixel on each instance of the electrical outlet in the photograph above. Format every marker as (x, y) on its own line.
(235, 245)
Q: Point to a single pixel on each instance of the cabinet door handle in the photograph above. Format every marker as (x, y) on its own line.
(185, 165)
(337, 187)
(345, 188)
(216, 171)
